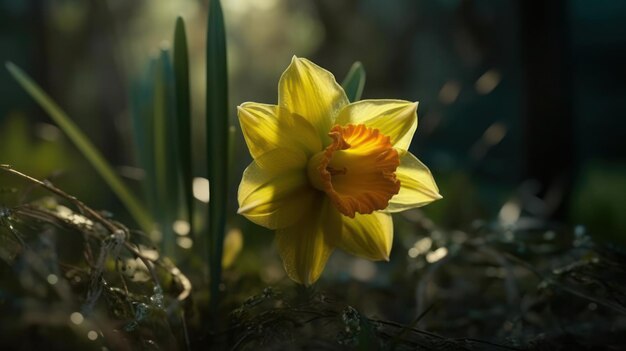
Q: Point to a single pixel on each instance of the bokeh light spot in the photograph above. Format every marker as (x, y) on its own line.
(201, 189)
(181, 227)
(52, 279)
(436, 255)
(487, 82)
(77, 318)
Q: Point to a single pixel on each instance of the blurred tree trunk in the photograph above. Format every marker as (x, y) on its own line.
(548, 118)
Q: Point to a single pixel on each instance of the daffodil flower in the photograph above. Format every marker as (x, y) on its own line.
(328, 173)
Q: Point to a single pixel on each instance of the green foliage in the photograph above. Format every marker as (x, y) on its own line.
(162, 131)
(217, 141)
(165, 150)
(531, 285)
(83, 143)
(83, 280)
(39, 157)
(599, 201)
(354, 82)
(183, 116)
(143, 111)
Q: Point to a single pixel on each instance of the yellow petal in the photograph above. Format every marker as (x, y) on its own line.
(304, 247)
(417, 186)
(274, 191)
(267, 127)
(396, 119)
(313, 93)
(369, 236)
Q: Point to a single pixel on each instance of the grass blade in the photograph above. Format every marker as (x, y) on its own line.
(183, 116)
(143, 131)
(79, 139)
(354, 82)
(166, 151)
(217, 141)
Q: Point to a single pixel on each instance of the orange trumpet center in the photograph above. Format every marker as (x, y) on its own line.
(357, 170)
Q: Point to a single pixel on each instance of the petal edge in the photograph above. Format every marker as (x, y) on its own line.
(368, 236)
(304, 247)
(396, 119)
(417, 185)
(267, 127)
(312, 92)
(274, 191)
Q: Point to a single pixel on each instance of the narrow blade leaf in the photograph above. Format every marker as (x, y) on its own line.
(166, 150)
(183, 115)
(217, 141)
(84, 145)
(143, 131)
(354, 82)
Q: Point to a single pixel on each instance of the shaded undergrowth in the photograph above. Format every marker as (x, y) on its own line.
(72, 277)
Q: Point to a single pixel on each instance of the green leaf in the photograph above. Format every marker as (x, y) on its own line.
(84, 145)
(156, 134)
(166, 151)
(217, 141)
(143, 131)
(354, 82)
(183, 115)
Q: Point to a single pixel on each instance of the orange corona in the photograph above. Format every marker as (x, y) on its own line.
(357, 170)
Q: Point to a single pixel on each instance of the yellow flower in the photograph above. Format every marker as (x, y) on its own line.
(327, 173)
